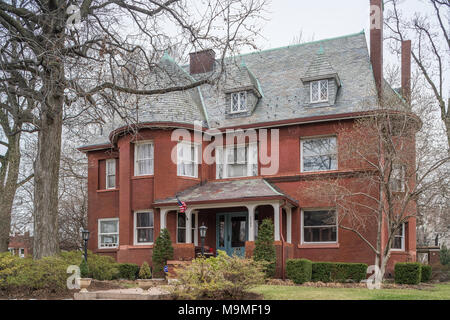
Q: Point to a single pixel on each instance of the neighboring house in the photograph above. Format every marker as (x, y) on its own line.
(21, 245)
(307, 91)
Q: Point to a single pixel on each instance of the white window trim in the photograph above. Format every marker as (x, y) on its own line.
(196, 151)
(239, 102)
(319, 100)
(402, 178)
(136, 167)
(108, 162)
(100, 234)
(302, 231)
(403, 240)
(11, 250)
(224, 160)
(195, 228)
(318, 137)
(20, 254)
(135, 242)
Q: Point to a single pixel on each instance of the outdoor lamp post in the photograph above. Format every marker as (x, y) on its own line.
(203, 229)
(85, 236)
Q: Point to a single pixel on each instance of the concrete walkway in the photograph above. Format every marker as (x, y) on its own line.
(154, 293)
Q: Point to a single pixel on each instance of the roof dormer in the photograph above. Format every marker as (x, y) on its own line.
(242, 91)
(321, 82)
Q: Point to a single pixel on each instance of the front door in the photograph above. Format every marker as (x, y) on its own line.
(232, 232)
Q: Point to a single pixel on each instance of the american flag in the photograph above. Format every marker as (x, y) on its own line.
(182, 205)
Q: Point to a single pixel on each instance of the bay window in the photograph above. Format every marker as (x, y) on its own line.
(143, 155)
(187, 161)
(237, 161)
(398, 241)
(143, 227)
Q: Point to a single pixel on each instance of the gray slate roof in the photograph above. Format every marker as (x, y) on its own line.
(277, 75)
(226, 190)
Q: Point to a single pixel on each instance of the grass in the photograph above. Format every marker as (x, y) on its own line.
(271, 292)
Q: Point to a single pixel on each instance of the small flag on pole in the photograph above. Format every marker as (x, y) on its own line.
(182, 205)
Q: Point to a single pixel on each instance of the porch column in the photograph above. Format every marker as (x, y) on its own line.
(163, 218)
(251, 222)
(276, 221)
(188, 214)
(289, 225)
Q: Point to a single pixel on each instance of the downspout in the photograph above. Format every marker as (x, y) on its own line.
(283, 276)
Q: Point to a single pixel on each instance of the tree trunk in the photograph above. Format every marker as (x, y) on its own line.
(47, 163)
(8, 189)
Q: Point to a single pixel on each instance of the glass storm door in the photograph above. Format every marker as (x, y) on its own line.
(232, 232)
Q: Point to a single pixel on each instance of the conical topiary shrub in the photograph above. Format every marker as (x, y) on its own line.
(84, 269)
(264, 247)
(162, 251)
(144, 271)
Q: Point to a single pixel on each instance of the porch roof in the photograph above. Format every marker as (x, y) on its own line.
(228, 191)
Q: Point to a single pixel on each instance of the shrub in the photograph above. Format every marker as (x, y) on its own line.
(128, 271)
(162, 251)
(220, 277)
(144, 271)
(338, 271)
(265, 249)
(102, 267)
(84, 269)
(444, 255)
(299, 270)
(426, 273)
(407, 272)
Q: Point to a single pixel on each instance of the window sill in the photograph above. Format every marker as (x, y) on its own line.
(108, 249)
(140, 246)
(107, 190)
(148, 176)
(188, 178)
(398, 251)
(319, 246)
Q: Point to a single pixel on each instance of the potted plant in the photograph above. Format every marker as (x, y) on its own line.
(84, 281)
(145, 276)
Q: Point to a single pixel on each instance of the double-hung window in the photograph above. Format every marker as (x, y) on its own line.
(108, 233)
(238, 101)
(143, 227)
(397, 180)
(319, 91)
(187, 165)
(110, 173)
(319, 226)
(237, 161)
(143, 158)
(398, 241)
(181, 228)
(21, 252)
(318, 154)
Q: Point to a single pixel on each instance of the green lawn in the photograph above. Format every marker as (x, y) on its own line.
(439, 292)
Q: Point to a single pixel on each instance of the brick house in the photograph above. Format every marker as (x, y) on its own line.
(305, 91)
(21, 245)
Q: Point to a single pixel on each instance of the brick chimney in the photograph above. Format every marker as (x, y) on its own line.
(376, 42)
(202, 61)
(406, 70)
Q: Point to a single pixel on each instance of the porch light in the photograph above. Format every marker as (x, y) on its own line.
(203, 229)
(85, 236)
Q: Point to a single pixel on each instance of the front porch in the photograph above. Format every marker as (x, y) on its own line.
(232, 221)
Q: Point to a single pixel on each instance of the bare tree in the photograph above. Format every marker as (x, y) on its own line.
(386, 180)
(102, 57)
(431, 51)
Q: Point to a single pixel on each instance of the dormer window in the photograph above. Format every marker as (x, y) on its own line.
(319, 91)
(239, 102)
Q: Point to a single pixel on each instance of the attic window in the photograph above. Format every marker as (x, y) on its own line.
(238, 101)
(319, 91)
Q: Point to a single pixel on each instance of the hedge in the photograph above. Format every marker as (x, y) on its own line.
(338, 272)
(407, 272)
(128, 271)
(426, 273)
(299, 270)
